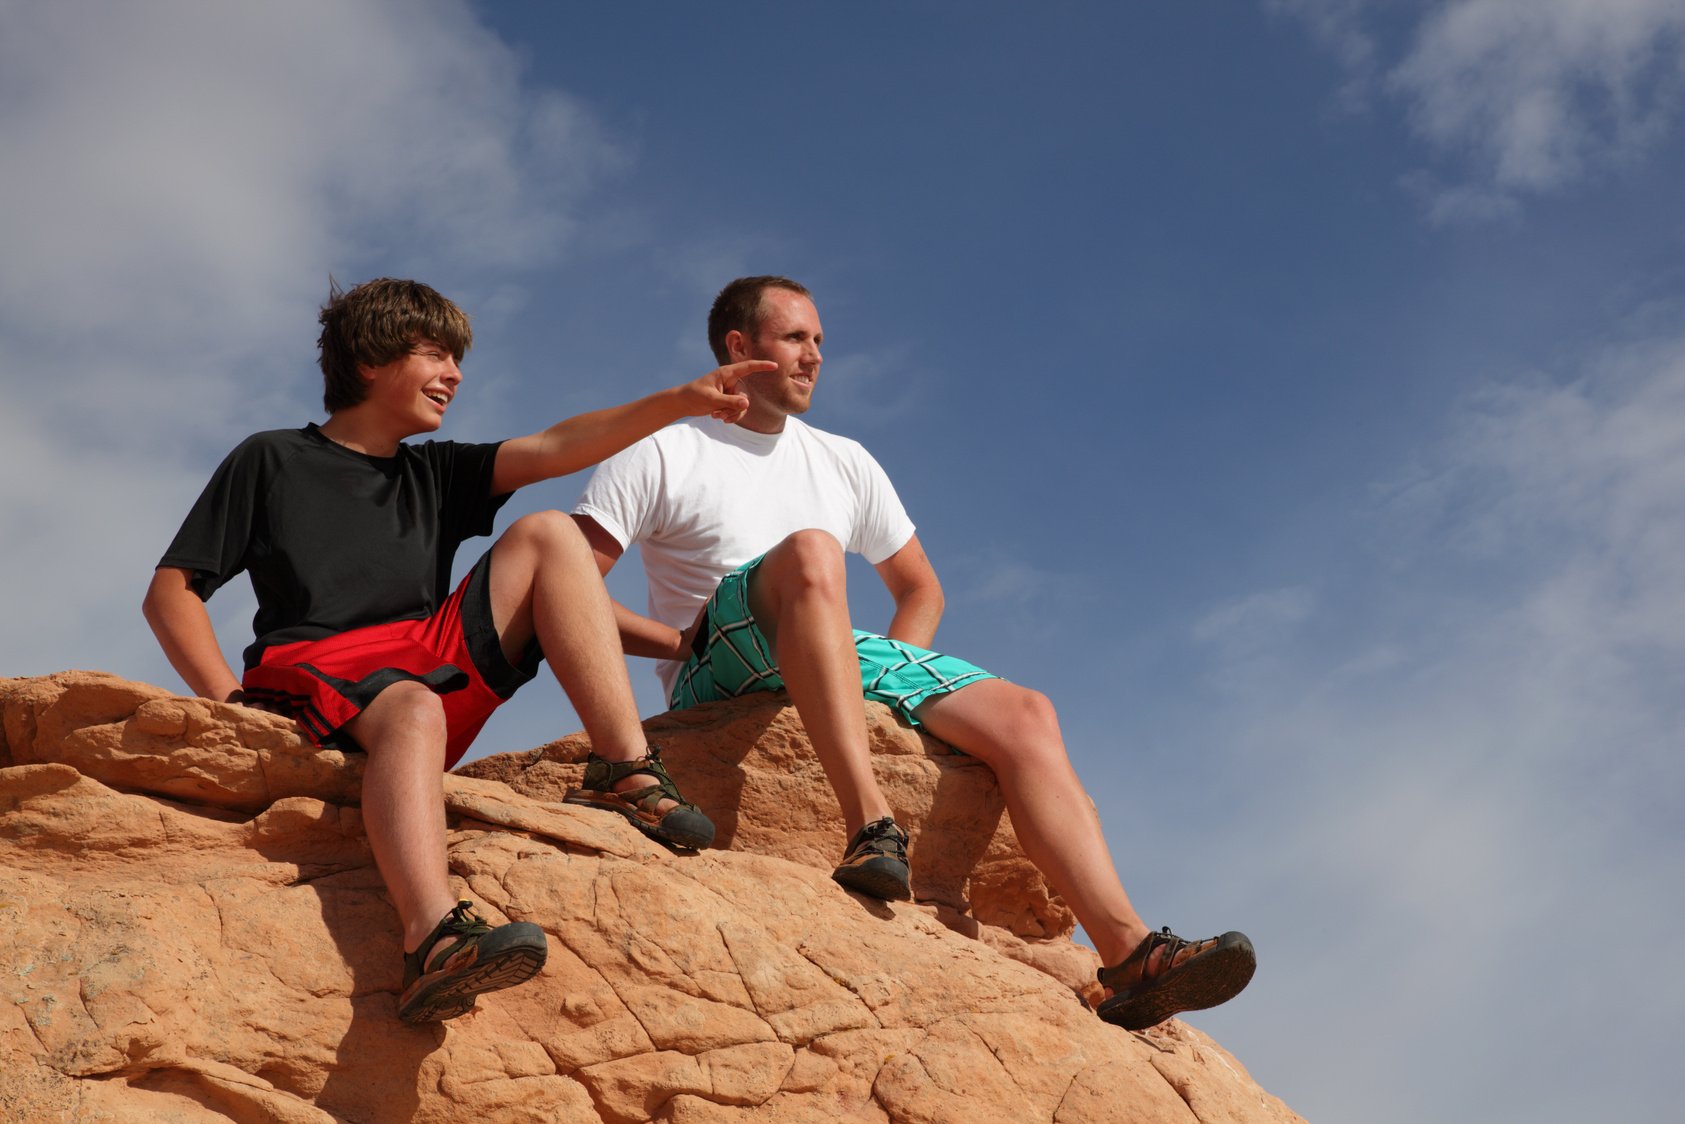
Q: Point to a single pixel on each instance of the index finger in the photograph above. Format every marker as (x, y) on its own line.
(731, 375)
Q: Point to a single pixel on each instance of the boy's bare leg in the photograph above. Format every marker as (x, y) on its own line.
(1015, 731)
(403, 734)
(545, 583)
(799, 596)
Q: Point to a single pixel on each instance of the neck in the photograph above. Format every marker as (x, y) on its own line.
(762, 422)
(360, 434)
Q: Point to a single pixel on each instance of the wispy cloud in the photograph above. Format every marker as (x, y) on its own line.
(1025, 599)
(1515, 98)
(179, 186)
(1538, 91)
(1339, 27)
(1253, 623)
(197, 163)
(1481, 773)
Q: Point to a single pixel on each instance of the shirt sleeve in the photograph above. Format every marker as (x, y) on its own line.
(622, 494)
(467, 508)
(215, 539)
(883, 526)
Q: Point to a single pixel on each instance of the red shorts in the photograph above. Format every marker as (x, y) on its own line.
(325, 683)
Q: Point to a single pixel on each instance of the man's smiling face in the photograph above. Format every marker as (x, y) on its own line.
(789, 334)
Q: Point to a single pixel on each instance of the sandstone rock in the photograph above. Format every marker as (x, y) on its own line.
(179, 943)
(747, 762)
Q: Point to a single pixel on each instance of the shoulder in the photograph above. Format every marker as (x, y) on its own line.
(802, 431)
(283, 440)
(677, 443)
(636, 469)
(441, 454)
(688, 433)
(845, 449)
(269, 449)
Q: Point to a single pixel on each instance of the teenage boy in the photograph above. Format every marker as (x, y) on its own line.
(743, 526)
(348, 534)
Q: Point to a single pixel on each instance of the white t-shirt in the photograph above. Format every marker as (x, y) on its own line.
(703, 497)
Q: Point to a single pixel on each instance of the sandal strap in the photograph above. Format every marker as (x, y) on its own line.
(460, 922)
(602, 776)
(1143, 952)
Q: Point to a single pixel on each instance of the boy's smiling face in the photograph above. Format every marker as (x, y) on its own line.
(415, 389)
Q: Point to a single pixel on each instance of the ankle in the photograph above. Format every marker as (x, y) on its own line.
(1121, 944)
(631, 751)
(418, 930)
(853, 824)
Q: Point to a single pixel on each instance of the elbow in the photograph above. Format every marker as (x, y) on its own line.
(930, 600)
(162, 592)
(149, 604)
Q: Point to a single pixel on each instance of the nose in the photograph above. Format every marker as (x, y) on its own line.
(810, 353)
(453, 373)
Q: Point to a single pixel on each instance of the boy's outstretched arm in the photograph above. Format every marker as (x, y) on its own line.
(583, 441)
(183, 628)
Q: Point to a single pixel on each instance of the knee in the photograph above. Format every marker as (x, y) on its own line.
(549, 533)
(402, 714)
(1028, 719)
(810, 559)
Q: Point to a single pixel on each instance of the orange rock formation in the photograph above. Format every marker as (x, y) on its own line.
(192, 928)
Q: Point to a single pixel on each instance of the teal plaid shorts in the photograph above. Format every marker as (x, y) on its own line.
(730, 657)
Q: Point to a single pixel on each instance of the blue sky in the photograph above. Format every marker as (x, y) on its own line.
(1295, 391)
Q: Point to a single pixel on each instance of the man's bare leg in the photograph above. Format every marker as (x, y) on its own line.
(1015, 731)
(799, 597)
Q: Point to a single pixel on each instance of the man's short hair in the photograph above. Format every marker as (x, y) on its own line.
(738, 309)
(376, 323)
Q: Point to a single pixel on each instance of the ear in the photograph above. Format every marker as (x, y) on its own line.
(736, 345)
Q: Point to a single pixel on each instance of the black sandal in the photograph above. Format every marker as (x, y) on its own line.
(684, 826)
(1213, 971)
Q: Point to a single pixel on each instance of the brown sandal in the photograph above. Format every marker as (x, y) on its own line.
(1191, 976)
(684, 826)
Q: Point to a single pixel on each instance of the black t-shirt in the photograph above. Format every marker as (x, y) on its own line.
(335, 539)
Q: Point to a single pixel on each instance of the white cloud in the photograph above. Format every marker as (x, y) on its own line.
(1023, 599)
(1255, 622)
(1522, 97)
(1538, 90)
(1479, 783)
(181, 179)
(1337, 26)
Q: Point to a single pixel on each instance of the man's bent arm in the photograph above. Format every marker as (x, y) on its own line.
(912, 583)
(639, 635)
(183, 628)
(589, 439)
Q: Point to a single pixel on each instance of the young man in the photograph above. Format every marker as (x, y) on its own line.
(743, 528)
(349, 535)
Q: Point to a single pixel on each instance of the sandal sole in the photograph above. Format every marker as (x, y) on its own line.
(1213, 977)
(449, 993)
(888, 885)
